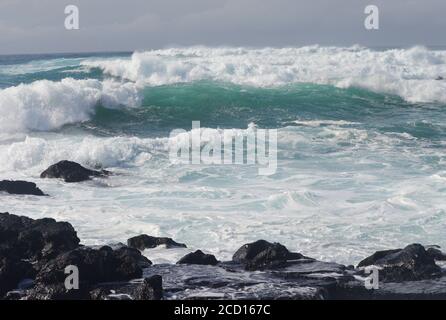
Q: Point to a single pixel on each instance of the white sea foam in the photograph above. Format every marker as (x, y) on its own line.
(409, 73)
(340, 193)
(34, 153)
(317, 123)
(45, 105)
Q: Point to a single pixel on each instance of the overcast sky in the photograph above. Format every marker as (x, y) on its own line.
(37, 26)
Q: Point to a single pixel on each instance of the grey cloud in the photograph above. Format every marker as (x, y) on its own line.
(108, 25)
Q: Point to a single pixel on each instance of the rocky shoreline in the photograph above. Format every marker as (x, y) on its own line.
(35, 254)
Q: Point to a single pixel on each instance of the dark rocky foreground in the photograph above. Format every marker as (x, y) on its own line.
(34, 255)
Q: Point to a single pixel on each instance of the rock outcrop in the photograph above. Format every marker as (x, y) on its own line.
(20, 187)
(198, 257)
(25, 238)
(144, 241)
(35, 254)
(71, 172)
(409, 264)
(263, 254)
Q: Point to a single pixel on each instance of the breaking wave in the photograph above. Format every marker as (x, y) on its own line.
(46, 105)
(153, 78)
(409, 73)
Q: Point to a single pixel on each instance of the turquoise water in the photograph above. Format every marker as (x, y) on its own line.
(361, 138)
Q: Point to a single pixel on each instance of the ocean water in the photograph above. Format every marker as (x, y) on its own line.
(361, 146)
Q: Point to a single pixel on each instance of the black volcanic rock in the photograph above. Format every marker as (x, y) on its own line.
(198, 257)
(56, 292)
(20, 187)
(263, 254)
(144, 241)
(436, 254)
(12, 271)
(409, 264)
(150, 289)
(35, 253)
(71, 172)
(95, 266)
(25, 238)
(99, 294)
(307, 279)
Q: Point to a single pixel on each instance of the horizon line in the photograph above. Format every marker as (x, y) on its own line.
(433, 46)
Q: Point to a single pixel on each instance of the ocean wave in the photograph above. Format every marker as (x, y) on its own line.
(151, 79)
(36, 66)
(46, 105)
(409, 73)
(34, 153)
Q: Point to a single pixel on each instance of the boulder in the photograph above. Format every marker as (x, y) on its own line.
(20, 187)
(409, 264)
(263, 254)
(71, 172)
(95, 266)
(198, 257)
(25, 238)
(144, 241)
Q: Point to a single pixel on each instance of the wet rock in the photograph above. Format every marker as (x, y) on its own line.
(56, 292)
(198, 257)
(20, 187)
(150, 289)
(95, 266)
(434, 289)
(99, 294)
(409, 264)
(14, 295)
(144, 241)
(71, 172)
(306, 280)
(25, 238)
(12, 272)
(263, 254)
(378, 255)
(436, 254)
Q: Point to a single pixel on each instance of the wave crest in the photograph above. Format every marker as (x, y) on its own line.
(409, 73)
(45, 105)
